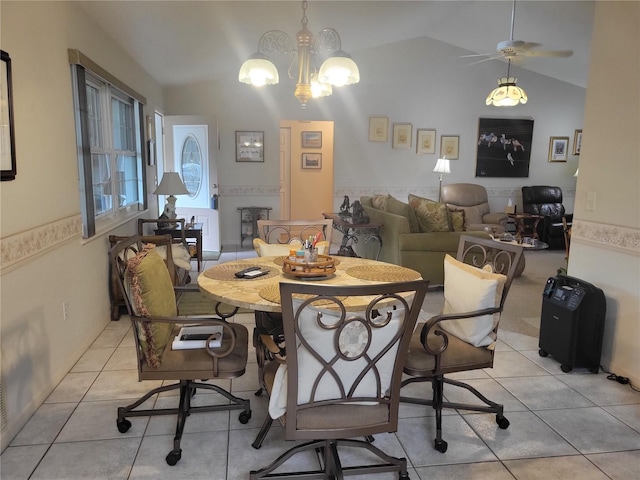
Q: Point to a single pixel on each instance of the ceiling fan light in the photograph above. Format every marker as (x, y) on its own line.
(338, 70)
(258, 70)
(508, 94)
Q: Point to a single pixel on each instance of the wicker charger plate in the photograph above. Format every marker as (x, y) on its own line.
(272, 293)
(386, 273)
(226, 272)
(280, 261)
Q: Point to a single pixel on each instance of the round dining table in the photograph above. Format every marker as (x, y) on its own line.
(263, 293)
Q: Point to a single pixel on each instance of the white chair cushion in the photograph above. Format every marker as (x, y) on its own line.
(322, 342)
(181, 256)
(466, 289)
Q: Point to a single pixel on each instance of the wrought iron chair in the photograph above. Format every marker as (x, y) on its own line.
(342, 375)
(150, 297)
(463, 336)
(276, 238)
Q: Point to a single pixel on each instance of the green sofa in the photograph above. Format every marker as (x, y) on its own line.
(423, 252)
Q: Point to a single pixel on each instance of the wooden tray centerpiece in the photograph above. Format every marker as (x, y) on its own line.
(325, 266)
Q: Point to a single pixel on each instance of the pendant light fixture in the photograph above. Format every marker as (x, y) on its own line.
(337, 70)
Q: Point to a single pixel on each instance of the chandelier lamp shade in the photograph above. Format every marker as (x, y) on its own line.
(171, 184)
(311, 82)
(508, 94)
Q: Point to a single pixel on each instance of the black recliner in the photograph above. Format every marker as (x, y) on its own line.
(547, 201)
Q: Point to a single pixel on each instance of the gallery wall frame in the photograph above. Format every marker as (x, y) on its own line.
(425, 141)
(577, 142)
(504, 147)
(311, 139)
(402, 136)
(312, 160)
(8, 168)
(249, 146)
(450, 147)
(378, 128)
(558, 149)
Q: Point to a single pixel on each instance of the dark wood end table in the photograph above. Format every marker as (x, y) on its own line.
(349, 229)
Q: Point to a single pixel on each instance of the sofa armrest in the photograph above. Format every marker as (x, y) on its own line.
(498, 218)
(392, 226)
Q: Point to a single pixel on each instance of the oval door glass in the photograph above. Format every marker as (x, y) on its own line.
(191, 165)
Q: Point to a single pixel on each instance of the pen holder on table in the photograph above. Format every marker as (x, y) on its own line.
(311, 255)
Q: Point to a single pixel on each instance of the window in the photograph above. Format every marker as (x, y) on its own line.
(110, 147)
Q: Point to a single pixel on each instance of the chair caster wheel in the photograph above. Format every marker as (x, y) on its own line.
(123, 425)
(502, 422)
(404, 476)
(173, 457)
(245, 416)
(440, 445)
(566, 368)
(542, 353)
(258, 392)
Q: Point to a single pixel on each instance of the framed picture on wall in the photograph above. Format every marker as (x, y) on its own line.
(426, 141)
(312, 160)
(402, 133)
(7, 141)
(504, 147)
(558, 149)
(577, 142)
(249, 146)
(449, 146)
(378, 129)
(311, 139)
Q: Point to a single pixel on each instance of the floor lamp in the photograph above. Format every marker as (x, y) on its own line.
(442, 166)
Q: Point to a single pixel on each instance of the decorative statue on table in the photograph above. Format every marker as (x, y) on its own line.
(357, 213)
(344, 208)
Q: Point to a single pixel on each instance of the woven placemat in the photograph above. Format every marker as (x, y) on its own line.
(272, 293)
(383, 273)
(280, 261)
(226, 272)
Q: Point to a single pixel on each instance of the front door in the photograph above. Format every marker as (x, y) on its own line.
(190, 150)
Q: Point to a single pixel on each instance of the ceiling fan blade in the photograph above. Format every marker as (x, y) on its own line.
(547, 53)
(484, 60)
(477, 55)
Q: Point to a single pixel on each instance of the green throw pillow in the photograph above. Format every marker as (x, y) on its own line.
(432, 216)
(457, 220)
(151, 293)
(379, 202)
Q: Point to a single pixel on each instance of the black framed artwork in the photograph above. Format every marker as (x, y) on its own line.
(7, 139)
(504, 147)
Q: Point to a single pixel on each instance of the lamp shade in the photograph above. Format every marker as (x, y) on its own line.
(508, 94)
(258, 70)
(442, 166)
(338, 70)
(577, 170)
(171, 184)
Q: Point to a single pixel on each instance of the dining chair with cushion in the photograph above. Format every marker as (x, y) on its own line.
(342, 375)
(278, 238)
(150, 297)
(463, 336)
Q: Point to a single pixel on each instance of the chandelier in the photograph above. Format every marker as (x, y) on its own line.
(337, 70)
(508, 94)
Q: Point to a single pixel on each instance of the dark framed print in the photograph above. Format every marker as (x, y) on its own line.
(311, 139)
(7, 138)
(312, 160)
(504, 147)
(249, 146)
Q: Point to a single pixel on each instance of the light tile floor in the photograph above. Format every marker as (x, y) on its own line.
(563, 426)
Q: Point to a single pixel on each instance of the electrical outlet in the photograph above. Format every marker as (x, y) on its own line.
(65, 310)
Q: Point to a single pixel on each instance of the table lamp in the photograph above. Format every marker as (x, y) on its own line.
(171, 184)
(442, 166)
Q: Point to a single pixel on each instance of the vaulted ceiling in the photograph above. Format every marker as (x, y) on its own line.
(182, 42)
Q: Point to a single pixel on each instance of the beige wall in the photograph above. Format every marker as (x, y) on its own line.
(44, 261)
(605, 249)
(311, 190)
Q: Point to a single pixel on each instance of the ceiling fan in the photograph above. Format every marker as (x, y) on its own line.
(516, 49)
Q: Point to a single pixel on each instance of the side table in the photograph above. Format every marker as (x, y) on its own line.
(526, 224)
(193, 232)
(249, 221)
(344, 224)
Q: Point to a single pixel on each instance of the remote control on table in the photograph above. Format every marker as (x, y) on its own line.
(242, 273)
